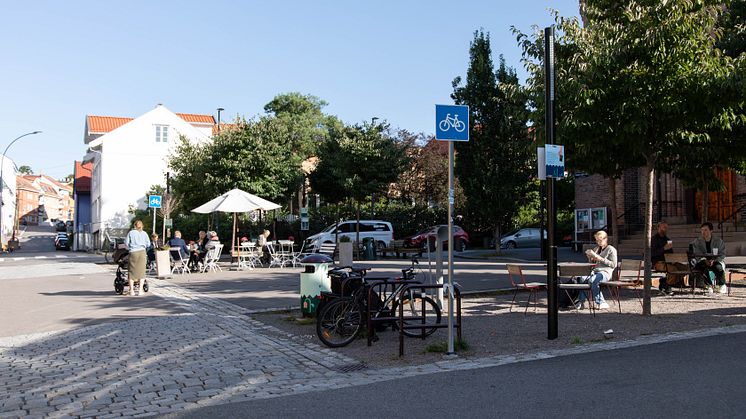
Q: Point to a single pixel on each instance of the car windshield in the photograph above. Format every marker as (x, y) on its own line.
(511, 233)
(329, 229)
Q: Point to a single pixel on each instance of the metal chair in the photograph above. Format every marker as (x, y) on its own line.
(211, 259)
(627, 275)
(178, 264)
(515, 272)
(571, 271)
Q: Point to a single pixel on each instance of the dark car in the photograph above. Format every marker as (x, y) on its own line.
(60, 226)
(61, 242)
(429, 234)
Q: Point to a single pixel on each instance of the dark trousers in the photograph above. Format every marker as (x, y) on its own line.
(716, 269)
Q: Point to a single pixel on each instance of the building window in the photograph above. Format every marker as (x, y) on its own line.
(161, 133)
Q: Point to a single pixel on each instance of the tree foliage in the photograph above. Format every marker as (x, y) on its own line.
(663, 84)
(357, 161)
(493, 167)
(25, 170)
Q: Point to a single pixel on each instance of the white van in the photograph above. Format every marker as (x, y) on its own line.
(381, 231)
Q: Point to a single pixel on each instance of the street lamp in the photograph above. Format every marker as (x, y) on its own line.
(2, 188)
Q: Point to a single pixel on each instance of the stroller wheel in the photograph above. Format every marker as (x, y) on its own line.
(145, 286)
(119, 289)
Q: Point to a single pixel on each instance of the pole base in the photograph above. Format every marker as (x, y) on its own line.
(450, 355)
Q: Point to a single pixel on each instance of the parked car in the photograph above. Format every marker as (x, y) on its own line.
(60, 226)
(381, 231)
(61, 242)
(525, 237)
(429, 235)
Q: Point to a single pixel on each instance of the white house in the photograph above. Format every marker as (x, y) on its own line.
(7, 200)
(131, 155)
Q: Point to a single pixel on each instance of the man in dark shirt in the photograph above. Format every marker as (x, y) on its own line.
(178, 243)
(660, 244)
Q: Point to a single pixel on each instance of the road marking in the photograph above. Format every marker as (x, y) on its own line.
(40, 257)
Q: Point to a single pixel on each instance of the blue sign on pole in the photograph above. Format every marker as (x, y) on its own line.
(452, 122)
(154, 201)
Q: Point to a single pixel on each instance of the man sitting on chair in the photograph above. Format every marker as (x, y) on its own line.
(604, 256)
(660, 244)
(714, 246)
(177, 243)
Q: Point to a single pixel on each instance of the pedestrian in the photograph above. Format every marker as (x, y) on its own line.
(138, 243)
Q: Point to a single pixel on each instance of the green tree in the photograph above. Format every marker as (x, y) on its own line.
(25, 170)
(666, 83)
(493, 167)
(357, 161)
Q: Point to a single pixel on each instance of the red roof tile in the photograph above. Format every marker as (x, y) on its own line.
(222, 126)
(196, 118)
(23, 183)
(104, 124)
(82, 177)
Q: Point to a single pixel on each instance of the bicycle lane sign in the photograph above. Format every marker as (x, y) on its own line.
(451, 122)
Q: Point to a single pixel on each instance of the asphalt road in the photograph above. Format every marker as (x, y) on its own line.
(696, 378)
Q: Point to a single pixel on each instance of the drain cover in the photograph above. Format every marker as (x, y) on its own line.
(351, 367)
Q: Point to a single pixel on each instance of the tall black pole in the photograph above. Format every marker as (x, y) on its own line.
(542, 222)
(552, 312)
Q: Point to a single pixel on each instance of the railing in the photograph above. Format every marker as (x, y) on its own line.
(733, 216)
(634, 217)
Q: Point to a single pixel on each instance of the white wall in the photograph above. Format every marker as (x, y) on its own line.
(8, 199)
(131, 161)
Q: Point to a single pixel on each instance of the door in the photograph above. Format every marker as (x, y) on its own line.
(721, 205)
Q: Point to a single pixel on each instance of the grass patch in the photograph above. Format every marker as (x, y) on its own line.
(576, 340)
(442, 347)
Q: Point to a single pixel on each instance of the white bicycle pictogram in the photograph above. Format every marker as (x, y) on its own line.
(449, 123)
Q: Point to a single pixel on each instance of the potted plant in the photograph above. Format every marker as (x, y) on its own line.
(345, 251)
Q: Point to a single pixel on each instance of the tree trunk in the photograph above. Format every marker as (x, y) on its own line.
(496, 238)
(705, 199)
(650, 168)
(612, 217)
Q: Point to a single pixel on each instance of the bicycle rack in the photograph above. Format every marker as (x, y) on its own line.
(423, 317)
(386, 286)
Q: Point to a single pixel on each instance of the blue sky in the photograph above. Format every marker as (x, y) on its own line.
(389, 59)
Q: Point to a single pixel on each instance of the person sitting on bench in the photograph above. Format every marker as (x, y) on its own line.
(709, 256)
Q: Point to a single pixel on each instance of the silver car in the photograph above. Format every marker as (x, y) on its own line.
(525, 237)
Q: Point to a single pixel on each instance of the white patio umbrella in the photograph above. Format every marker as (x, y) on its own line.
(236, 201)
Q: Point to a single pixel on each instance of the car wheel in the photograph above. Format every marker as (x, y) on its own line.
(510, 245)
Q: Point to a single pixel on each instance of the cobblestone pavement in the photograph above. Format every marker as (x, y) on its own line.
(214, 354)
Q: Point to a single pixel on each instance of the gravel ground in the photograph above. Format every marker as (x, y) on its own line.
(490, 329)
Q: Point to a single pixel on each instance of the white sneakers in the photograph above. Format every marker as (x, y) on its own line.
(582, 306)
(723, 289)
(603, 306)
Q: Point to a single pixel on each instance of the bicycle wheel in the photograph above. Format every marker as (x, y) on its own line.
(339, 322)
(444, 125)
(459, 126)
(413, 307)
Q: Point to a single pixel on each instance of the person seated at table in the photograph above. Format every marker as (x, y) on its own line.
(155, 244)
(709, 256)
(213, 242)
(262, 244)
(605, 258)
(177, 243)
(660, 244)
(199, 251)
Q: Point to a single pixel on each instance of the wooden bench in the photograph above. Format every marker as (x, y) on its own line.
(398, 248)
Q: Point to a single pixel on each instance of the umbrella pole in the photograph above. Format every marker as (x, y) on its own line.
(233, 241)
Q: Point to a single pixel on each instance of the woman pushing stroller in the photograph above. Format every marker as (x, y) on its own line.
(137, 242)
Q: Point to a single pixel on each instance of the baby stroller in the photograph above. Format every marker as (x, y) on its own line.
(121, 258)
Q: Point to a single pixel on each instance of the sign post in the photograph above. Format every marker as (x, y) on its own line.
(553, 306)
(154, 201)
(451, 124)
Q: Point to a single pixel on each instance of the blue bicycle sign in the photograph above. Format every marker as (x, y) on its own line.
(154, 201)
(451, 122)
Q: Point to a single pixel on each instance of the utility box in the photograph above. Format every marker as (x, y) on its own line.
(313, 280)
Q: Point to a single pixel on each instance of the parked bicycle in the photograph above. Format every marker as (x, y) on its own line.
(340, 321)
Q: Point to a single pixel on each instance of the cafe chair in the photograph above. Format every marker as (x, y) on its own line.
(519, 283)
(627, 275)
(678, 264)
(583, 271)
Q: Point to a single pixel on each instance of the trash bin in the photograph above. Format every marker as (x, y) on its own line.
(313, 280)
(369, 248)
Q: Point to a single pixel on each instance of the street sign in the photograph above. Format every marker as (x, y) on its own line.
(168, 222)
(451, 122)
(555, 160)
(154, 201)
(304, 219)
